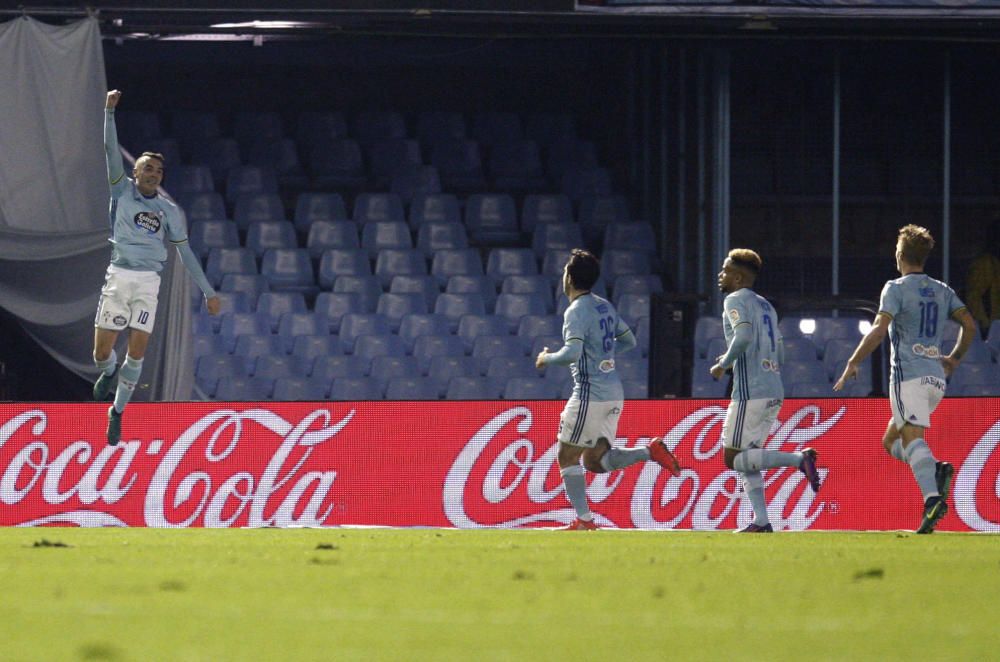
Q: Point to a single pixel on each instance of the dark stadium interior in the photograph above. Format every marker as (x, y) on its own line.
(642, 94)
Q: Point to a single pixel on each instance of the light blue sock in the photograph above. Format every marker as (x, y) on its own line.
(107, 366)
(924, 465)
(619, 458)
(755, 459)
(576, 490)
(753, 484)
(897, 450)
(127, 378)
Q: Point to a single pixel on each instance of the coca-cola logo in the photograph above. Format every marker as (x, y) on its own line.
(655, 503)
(176, 497)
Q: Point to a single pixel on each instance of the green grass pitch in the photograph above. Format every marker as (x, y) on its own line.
(427, 594)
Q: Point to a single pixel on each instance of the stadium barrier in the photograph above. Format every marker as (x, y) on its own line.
(466, 465)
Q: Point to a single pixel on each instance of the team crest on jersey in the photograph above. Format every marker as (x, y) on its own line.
(734, 316)
(149, 221)
(607, 365)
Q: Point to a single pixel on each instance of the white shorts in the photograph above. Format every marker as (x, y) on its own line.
(748, 422)
(582, 424)
(914, 400)
(128, 299)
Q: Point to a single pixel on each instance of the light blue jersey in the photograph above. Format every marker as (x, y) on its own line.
(918, 306)
(757, 371)
(595, 322)
(138, 223)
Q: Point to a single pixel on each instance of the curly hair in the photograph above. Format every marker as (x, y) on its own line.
(747, 259)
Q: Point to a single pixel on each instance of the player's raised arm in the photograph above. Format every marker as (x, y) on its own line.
(112, 153)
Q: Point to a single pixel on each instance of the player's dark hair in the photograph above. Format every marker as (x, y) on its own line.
(583, 268)
(915, 244)
(154, 155)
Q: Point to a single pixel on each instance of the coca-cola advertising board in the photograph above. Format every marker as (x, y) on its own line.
(466, 465)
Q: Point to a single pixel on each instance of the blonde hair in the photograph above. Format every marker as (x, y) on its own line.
(747, 259)
(915, 244)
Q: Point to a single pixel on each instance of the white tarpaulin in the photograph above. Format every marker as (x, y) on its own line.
(54, 226)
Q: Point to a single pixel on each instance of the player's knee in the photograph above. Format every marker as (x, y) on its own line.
(592, 456)
(887, 443)
(729, 456)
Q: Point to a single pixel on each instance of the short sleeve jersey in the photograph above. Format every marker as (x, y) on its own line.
(594, 321)
(918, 306)
(757, 372)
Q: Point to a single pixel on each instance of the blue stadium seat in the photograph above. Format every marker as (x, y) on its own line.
(556, 236)
(386, 368)
(532, 326)
(491, 218)
(789, 327)
(703, 385)
(459, 163)
(413, 327)
(209, 369)
(530, 388)
(633, 306)
(311, 208)
(220, 154)
(370, 126)
(637, 236)
(637, 284)
(503, 262)
(324, 235)
(562, 303)
(206, 235)
(486, 348)
(395, 306)
(374, 207)
(413, 180)
(289, 270)
(281, 157)
(541, 209)
(811, 390)
(243, 389)
(426, 347)
(513, 307)
(229, 302)
(137, 127)
(190, 179)
(580, 183)
(276, 366)
(390, 155)
(370, 346)
(337, 262)
(438, 126)
(804, 372)
(444, 368)
(993, 338)
(496, 128)
(716, 347)
(640, 328)
(455, 306)
(412, 388)
(603, 210)
(257, 207)
(473, 388)
(617, 262)
(835, 327)
(553, 264)
(205, 206)
(535, 285)
(300, 389)
(800, 349)
(192, 127)
(208, 344)
(334, 367)
(246, 180)
(424, 285)
(480, 284)
(353, 325)
(276, 304)
(334, 305)
(632, 366)
(222, 261)
(459, 262)
(471, 327)
(381, 235)
(517, 166)
(262, 236)
(309, 348)
(292, 325)
(253, 284)
(503, 368)
(434, 208)
(319, 126)
(355, 389)
(979, 351)
(434, 236)
(391, 263)
(367, 287)
(337, 164)
(569, 154)
(635, 390)
(549, 128)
